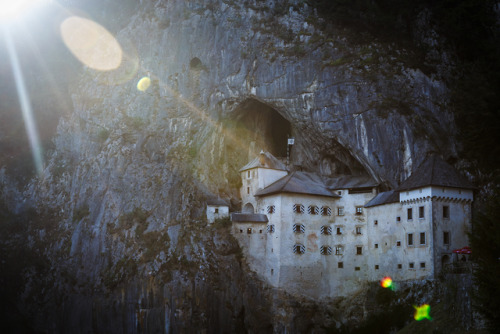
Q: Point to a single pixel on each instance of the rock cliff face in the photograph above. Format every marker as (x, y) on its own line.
(131, 170)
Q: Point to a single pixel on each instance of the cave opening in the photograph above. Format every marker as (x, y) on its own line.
(263, 128)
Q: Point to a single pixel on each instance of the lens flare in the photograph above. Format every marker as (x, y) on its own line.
(422, 312)
(91, 43)
(386, 282)
(144, 84)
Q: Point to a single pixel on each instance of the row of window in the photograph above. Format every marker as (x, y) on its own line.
(325, 229)
(314, 210)
(421, 213)
(326, 250)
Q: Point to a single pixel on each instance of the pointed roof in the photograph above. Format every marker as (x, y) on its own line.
(264, 160)
(434, 171)
(298, 183)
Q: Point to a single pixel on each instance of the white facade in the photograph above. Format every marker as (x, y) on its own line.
(326, 246)
(216, 211)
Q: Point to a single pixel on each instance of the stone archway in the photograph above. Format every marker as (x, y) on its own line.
(445, 260)
(248, 208)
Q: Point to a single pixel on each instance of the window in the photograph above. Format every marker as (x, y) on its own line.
(359, 210)
(270, 228)
(312, 210)
(299, 249)
(358, 230)
(325, 250)
(421, 212)
(248, 174)
(411, 265)
(446, 212)
(376, 267)
(271, 209)
(326, 230)
(359, 250)
(339, 230)
(241, 231)
(357, 268)
(398, 243)
(339, 250)
(216, 210)
(422, 265)
(339, 193)
(410, 213)
(260, 231)
(248, 190)
(272, 271)
(398, 219)
(410, 239)
(298, 208)
(376, 245)
(340, 211)
(340, 265)
(326, 211)
(446, 238)
(375, 222)
(299, 228)
(249, 230)
(400, 266)
(422, 238)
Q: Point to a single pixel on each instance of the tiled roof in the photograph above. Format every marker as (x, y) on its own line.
(264, 160)
(350, 182)
(386, 197)
(298, 183)
(434, 171)
(249, 217)
(217, 201)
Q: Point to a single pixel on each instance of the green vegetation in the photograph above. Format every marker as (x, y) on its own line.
(485, 244)
(136, 216)
(221, 223)
(80, 213)
(102, 135)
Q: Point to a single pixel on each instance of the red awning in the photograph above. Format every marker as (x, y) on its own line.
(463, 250)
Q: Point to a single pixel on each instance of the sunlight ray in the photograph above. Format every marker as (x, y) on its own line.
(24, 102)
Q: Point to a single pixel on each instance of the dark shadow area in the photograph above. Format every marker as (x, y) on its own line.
(265, 127)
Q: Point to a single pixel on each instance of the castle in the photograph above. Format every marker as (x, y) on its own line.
(321, 237)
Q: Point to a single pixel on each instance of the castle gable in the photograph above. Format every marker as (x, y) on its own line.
(298, 183)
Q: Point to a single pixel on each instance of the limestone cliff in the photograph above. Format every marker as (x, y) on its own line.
(131, 170)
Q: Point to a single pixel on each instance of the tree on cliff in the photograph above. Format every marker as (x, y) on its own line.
(485, 242)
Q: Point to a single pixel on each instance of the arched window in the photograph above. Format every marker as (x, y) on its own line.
(271, 209)
(326, 211)
(299, 228)
(313, 210)
(326, 230)
(326, 250)
(299, 249)
(270, 228)
(248, 208)
(298, 208)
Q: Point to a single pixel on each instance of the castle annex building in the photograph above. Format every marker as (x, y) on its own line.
(322, 237)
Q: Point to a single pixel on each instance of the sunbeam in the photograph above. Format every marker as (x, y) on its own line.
(24, 101)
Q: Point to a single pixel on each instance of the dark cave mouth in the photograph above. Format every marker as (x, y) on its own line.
(264, 126)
